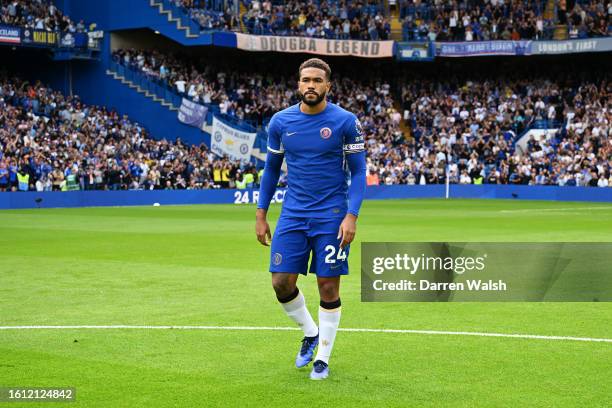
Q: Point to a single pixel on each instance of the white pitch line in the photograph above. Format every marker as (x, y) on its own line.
(405, 331)
(557, 209)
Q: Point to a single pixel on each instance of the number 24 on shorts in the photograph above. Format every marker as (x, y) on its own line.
(331, 251)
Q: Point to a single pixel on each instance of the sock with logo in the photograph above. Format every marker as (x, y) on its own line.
(329, 318)
(295, 307)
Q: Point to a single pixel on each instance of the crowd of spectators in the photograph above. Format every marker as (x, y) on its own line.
(357, 20)
(474, 21)
(434, 20)
(331, 19)
(472, 127)
(420, 133)
(37, 15)
(587, 18)
(49, 142)
(502, 20)
(255, 96)
(211, 15)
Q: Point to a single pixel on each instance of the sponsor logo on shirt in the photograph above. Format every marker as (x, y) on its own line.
(354, 147)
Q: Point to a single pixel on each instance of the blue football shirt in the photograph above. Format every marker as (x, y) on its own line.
(314, 147)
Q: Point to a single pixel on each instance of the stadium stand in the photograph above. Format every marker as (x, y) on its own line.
(420, 20)
(362, 20)
(473, 126)
(38, 15)
(421, 127)
(59, 143)
(498, 20)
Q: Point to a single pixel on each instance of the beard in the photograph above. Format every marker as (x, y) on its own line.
(312, 102)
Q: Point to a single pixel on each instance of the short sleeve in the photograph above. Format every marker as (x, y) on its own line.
(354, 140)
(275, 144)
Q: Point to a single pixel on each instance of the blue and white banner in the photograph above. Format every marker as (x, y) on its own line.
(482, 48)
(9, 34)
(571, 46)
(228, 141)
(193, 114)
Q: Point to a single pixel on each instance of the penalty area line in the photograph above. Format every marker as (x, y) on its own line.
(263, 328)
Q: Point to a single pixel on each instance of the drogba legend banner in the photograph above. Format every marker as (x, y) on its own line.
(320, 46)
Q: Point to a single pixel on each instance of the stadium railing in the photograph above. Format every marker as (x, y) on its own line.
(162, 90)
(147, 83)
(182, 14)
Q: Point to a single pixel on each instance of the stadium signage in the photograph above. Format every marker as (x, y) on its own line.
(480, 48)
(40, 37)
(10, 34)
(231, 142)
(571, 46)
(366, 49)
(415, 51)
(252, 197)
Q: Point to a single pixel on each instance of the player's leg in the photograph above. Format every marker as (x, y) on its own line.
(329, 315)
(289, 257)
(329, 263)
(293, 302)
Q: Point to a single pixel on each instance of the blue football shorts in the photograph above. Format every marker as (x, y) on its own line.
(296, 240)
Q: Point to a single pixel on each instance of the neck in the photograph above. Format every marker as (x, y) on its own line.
(313, 110)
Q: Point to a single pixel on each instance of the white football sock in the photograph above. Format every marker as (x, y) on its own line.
(297, 311)
(328, 325)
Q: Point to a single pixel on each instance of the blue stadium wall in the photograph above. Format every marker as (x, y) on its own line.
(185, 197)
(113, 15)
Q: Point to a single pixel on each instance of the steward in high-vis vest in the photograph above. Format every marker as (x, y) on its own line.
(23, 180)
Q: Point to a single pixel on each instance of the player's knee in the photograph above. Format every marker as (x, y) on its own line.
(328, 291)
(282, 287)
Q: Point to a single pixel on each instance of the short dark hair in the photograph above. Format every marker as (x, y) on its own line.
(316, 63)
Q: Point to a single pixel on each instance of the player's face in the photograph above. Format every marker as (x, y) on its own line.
(313, 86)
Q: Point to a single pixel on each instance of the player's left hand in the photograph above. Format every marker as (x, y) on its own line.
(347, 230)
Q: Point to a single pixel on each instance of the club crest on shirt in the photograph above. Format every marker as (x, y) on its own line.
(326, 133)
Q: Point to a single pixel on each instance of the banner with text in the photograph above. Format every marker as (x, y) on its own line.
(486, 272)
(231, 142)
(366, 49)
(40, 37)
(482, 48)
(9, 34)
(571, 46)
(193, 114)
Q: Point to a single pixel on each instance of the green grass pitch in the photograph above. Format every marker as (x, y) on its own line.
(201, 265)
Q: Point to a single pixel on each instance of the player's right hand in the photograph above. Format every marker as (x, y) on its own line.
(262, 229)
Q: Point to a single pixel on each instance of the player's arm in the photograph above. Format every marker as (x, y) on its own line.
(269, 181)
(354, 150)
